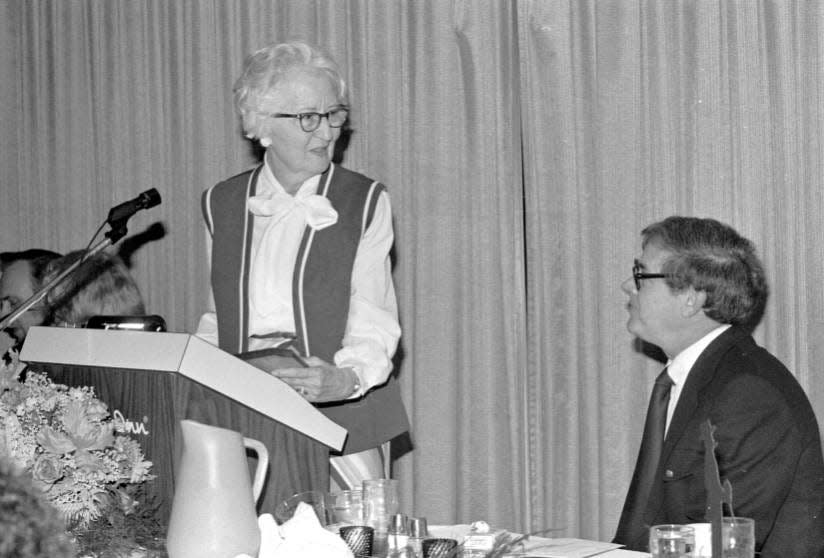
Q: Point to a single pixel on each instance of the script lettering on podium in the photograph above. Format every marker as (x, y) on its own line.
(122, 424)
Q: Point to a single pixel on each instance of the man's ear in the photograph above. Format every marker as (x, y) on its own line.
(692, 302)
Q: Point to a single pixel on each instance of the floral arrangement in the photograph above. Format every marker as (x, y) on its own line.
(80, 458)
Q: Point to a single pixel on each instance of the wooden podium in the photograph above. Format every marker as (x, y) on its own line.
(154, 380)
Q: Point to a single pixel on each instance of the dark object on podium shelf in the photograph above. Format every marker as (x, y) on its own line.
(152, 322)
(154, 380)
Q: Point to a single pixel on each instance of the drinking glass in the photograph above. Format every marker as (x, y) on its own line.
(737, 537)
(286, 509)
(380, 502)
(346, 507)
(671, 541)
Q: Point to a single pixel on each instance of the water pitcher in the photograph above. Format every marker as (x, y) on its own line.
(213, 509)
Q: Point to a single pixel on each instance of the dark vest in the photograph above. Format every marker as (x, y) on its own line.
(321, 289)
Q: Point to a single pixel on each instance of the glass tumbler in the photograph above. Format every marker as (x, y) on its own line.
(380, 502)
(317, 500)
(671, 541)
(737, 537)
(346, 507)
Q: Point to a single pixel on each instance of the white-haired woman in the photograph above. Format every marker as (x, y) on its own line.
(300, 246)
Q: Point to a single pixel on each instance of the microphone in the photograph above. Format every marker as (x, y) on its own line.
(120, 213)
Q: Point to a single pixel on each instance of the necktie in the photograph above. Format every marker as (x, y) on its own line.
(654, 428)
(632, 524)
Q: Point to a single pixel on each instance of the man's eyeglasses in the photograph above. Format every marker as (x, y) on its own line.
(309, 121)
(638, 275)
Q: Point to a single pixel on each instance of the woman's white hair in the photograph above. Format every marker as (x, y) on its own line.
(264, 69)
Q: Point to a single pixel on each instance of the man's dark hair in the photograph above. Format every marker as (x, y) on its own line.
(712, 257)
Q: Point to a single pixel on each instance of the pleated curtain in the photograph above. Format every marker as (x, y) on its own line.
(524, 145)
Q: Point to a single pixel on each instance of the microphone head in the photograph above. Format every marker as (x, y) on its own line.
(149, 198)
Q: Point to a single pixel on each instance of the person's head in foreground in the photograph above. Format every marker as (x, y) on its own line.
(29, 526)
(101, 285)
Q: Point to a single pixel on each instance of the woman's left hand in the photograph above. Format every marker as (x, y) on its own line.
(320, 382)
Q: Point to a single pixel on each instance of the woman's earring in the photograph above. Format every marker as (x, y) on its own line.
(265, 142)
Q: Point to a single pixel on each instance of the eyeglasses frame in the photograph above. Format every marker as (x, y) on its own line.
(301, 115)
(638, 275)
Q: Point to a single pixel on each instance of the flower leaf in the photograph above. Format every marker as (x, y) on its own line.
(54, 441)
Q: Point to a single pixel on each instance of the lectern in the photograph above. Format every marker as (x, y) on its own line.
(153, 380)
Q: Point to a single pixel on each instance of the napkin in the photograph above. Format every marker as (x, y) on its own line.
(301, 537)
(703, 539)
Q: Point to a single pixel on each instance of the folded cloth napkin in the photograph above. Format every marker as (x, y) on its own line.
(301, 537)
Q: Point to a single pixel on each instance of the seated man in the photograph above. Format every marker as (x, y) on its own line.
(696, 289)
(22, 276)
(102, 285)
(29, 526)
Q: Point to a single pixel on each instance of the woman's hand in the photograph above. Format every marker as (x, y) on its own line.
(320, 382)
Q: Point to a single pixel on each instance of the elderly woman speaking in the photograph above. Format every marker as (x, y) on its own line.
(300, 247)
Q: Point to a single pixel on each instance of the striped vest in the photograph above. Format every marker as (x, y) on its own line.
(321, 289)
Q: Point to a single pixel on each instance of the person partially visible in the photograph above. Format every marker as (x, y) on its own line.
(29, 526)
(101, 285)
(22, 275)
(696, 291)
(299, 248)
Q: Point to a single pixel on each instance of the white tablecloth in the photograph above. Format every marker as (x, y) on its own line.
(621, 553)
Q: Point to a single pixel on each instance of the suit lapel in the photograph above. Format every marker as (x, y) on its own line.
(701, 374)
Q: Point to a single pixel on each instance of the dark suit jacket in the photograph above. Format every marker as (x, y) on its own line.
(768, 446)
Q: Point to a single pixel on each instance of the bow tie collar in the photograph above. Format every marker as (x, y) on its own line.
(316, 210)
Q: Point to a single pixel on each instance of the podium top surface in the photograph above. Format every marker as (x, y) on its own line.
(190, 356)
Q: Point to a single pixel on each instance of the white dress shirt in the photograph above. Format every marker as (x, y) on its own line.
(679, 367)
(372, 328)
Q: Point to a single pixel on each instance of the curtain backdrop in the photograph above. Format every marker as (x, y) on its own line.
(524, 144)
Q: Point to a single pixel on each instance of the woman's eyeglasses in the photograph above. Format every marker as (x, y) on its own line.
(309, 121)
